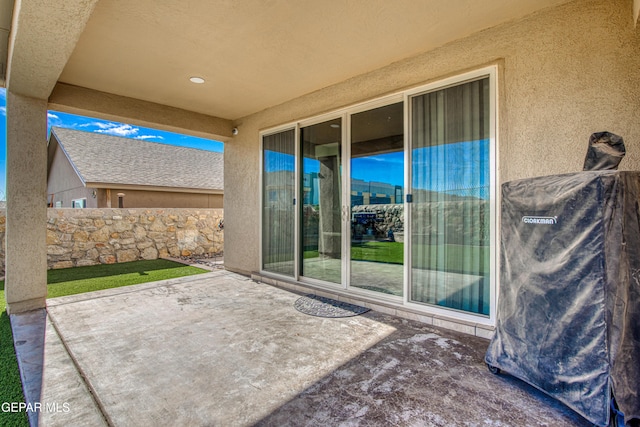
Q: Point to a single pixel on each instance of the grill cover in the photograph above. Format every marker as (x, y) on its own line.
(568, 319)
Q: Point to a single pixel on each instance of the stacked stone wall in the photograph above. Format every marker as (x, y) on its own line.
(464, 221)
(79, 237)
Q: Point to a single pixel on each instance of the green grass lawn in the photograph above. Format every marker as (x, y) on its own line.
(388, 252)
(10, 386)
(70, 281)
(455, 258)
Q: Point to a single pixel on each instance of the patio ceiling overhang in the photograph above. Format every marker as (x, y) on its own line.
(132, 61)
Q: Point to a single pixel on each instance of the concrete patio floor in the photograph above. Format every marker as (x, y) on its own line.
(219, 349)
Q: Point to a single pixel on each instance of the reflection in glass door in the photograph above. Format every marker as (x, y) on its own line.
(450, 213)
(356, 233)
(321, 207)
(377, 210)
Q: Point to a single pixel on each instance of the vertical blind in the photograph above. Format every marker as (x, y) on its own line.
(278, 209)
(450, 132)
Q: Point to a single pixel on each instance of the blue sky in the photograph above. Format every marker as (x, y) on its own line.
(89, 124)
(467, 170)
(382, 168)
(466, 173)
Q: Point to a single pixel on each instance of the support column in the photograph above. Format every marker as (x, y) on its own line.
(330, 240)
(26, 232)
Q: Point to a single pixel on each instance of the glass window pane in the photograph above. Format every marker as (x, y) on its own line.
(377, 190)
(451, 207)
(278, 209)
(321, 207)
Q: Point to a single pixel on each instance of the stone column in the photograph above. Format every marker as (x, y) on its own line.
(26, 249)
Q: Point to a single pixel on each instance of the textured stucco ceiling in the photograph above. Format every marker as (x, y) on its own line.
(254, 53)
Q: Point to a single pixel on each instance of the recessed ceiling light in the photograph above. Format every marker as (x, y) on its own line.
(198, 80)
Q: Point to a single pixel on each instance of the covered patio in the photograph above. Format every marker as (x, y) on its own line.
(222, 349)
(261, 68)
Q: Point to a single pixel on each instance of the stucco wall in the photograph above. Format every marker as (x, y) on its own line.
(26, 163)
(564, 73)
(63, 182)
(140, 199)
(163, 199)
(66, 197)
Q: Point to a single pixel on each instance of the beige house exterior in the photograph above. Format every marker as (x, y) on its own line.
(556, 71)
(89, 170)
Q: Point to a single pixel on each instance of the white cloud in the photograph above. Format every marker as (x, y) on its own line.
(3, 111)
(52, 116)
(104, 125)
(116, 129)
(149, 137)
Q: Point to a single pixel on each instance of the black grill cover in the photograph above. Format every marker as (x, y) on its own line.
(605, 152)
(568, 319)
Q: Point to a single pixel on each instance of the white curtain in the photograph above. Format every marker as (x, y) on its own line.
(450, 209)
(278, 209)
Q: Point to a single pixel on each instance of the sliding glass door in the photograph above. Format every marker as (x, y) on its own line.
(321, 207)
(450, 213)
(394, 199)
(377, 197)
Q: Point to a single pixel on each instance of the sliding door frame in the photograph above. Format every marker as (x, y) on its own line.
(340, 114)
(296, 249)
(345, 114)
(368, 106)
(490, 72)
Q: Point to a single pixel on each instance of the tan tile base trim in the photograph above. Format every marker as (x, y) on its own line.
(470, 328)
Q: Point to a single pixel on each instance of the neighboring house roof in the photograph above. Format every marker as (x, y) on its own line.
(106, 161)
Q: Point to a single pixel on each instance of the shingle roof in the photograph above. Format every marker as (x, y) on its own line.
(101, 158)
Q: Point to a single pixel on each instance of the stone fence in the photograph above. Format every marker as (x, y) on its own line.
(463, 221)
(78, 237)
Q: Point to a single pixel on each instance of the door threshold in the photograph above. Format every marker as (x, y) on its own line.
(386, 307)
